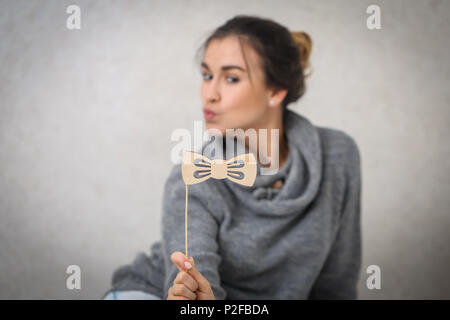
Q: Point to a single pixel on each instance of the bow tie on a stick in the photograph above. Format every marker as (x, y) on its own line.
(197, 168)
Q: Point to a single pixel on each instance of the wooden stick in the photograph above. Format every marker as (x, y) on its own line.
(185, 222)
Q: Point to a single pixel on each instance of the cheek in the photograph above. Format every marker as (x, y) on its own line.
(202, 92)
(238, 98)
(243, 104)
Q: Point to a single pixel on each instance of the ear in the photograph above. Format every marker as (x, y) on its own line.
(277, 96)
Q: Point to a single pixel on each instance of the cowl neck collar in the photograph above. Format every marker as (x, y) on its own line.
(301, 173)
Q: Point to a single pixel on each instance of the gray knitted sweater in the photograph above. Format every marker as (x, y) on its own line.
(302, 241)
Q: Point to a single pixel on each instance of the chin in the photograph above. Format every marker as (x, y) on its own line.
(214, 129)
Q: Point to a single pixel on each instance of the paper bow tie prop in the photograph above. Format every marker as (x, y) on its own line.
(197, 168)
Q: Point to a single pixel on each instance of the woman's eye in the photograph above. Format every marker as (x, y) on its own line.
(206, 76)
(229, 79)
(232, 79)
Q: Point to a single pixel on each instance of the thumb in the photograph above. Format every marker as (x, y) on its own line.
(179, 259)
(203, 283)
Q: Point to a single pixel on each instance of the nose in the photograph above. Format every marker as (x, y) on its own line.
(211, 91)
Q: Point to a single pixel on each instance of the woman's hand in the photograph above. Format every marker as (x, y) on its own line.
(189, 283)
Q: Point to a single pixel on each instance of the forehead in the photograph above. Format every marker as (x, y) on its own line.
(230, 50)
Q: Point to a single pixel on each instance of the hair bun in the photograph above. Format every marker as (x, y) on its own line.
(304, 45)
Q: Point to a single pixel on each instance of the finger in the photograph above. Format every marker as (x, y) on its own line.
(172, 297)
(204, 296)
(179, 258)
(169, 294)
(182, 290)
(203, 283)
(186, 279)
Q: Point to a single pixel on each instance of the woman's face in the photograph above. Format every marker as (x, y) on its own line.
(230, 100)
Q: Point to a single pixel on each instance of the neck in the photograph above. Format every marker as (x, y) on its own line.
(265, 144)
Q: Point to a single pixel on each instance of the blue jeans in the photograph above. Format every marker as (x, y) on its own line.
(131, 295)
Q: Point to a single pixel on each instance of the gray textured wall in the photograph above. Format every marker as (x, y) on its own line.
(86, 117)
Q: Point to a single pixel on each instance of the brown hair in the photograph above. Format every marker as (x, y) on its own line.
(284, 54)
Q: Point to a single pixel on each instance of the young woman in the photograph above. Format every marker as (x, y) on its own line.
(294, 234)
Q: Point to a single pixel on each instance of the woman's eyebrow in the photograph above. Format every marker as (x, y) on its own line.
(227, 67)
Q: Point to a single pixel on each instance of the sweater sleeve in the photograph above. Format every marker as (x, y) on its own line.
(203, 228)
(339, 276)
(143, 274)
